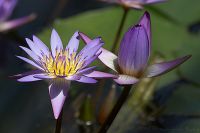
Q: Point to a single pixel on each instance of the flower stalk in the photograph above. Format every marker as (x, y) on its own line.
(108, 122)
(59, 123)
(118, 34)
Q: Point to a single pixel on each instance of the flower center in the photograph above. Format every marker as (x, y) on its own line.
(63, 64)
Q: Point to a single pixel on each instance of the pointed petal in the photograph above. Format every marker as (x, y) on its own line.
(85, 79)
(93, 43)
(43, 76)
(30, 53)
(58, 92)
(164, 67)
(86, 70)
(145, 21)
(126, 80)
(100, 75)
(30, 62)
(109, 59)
(28, 78)
(73, 43)
(91, 49)
(154, 1)
(85, 38)
(41, 45)
(56, 43)
(74, 77)
(26, 74)
(34, 47)
(134, 51)
(5, 26)
(90, 60)
(134, 4)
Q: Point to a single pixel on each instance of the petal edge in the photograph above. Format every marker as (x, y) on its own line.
(126, 80)
(164, 67)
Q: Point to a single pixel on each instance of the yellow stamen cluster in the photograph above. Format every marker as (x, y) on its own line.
(63, 64)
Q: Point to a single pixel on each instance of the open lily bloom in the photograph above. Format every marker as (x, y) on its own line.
(131, 64)
(62, 65)
(6, 9)
(138, 4)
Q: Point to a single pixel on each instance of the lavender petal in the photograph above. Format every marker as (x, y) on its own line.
(44, 49)
(86, 70)
(109, 59)
(100, 75)
(91, 49)
(154, 1)
(134, 4)
(74, 77)
(30, 62)
(126, 80)
(90, 60)
(28, 78)
(34, 47)
(43, 76)
(85, 38)
(134, 51)
(27, 73)
(145, 21)
(30, 53)
(73, 43)
(85, 79)
(8, 25)
(56, 43)
(58, 92)
(164, 67)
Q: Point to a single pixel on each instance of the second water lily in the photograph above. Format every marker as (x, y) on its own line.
(131, 64)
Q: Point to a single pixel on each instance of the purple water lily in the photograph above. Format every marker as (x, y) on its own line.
(62, 65)
(6, 9)
(131, 64)
(138, 4)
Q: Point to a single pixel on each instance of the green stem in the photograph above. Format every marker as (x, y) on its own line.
(115, 109)
(59, 123)
(117, 37)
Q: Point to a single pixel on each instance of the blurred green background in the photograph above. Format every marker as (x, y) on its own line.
(26, 108)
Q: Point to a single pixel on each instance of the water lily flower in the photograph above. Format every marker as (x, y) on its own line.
(131, 64)
(6, 9)
(137, 4)
(61, 65)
